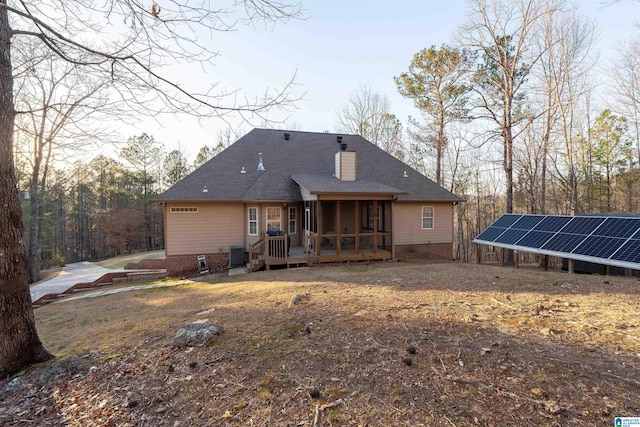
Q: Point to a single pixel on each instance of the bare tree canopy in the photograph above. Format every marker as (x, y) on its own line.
(131, 45)
(368, 114)
(134, 43)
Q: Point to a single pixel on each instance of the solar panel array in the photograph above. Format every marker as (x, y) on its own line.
(611, 240)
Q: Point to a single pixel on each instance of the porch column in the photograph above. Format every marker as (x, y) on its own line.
(338, 236)
(357, 225)
(319, 243)
(375, 226)
(393, 247)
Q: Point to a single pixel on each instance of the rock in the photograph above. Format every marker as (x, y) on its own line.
(197, 334)
(314, 393)
(14, 385)
(537, 391)
(297, 299)
(69, 365)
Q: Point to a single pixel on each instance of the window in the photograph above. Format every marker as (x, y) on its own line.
(292, 220)
(273, 219)
(427, 217)
(253, 221)
(184, 210)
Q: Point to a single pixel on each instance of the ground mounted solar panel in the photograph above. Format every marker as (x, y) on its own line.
(552, 223)
(563, 242)
(619, 227)
(535, 239)
(491, 233)
(608, 240)
(629, 252)
(599, 246)
(582, 225)
(527, 222)
(506, 220)
(511, 236)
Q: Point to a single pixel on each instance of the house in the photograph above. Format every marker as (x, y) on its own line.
(289, 197)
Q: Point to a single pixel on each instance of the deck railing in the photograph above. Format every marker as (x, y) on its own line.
(256, 256)
(277, 250)
(311, 247)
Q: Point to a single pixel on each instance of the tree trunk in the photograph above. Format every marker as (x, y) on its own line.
(508, 174)
(19, 342)
(34, 256)
(440, 144)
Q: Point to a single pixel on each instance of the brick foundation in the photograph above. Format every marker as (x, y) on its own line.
(442, 250)
(180, 265)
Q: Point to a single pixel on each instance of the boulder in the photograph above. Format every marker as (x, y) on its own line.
(69, 365)
(197, 334)
(14, 385)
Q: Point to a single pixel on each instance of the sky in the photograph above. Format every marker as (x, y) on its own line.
(337, 48)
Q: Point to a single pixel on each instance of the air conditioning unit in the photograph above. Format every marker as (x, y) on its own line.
(236, 256)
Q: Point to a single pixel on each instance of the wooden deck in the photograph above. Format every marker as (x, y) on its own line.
(270, 251)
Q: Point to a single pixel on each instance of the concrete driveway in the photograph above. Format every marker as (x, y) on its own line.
(71, 275)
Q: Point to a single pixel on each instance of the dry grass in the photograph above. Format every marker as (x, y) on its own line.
(493, 346)
(121, 261)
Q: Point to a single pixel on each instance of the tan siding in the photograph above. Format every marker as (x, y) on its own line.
(348, 166)
(407, 224)
(214, 226)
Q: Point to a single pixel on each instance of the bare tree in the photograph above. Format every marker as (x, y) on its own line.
(368, 114)
(625, 74)
(566, 38)
(58, 109)
(502, 33)
(129, 42)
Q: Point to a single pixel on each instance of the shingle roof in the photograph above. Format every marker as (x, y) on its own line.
(330, 184)
(307, 157)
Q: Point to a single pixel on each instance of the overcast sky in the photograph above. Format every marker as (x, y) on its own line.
(339, 47)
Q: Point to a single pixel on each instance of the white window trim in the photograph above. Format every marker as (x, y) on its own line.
(181, 209)
(433, 218)
(249, 220)
(267, 217)
(295, 220)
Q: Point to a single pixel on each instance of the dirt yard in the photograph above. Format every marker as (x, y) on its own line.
(387, 344)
